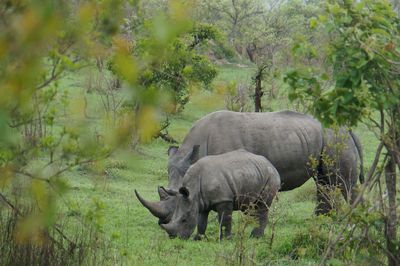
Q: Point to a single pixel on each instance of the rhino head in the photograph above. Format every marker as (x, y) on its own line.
(179, 162)
(184, 218)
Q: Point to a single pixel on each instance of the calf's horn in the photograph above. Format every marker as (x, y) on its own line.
(162, 193)
(156, 208)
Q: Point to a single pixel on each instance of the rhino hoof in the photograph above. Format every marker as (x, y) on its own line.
(256, 233)
(197, 238)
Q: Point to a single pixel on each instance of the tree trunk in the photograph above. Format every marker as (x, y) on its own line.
(258, 92)
(391, 220)
(251, 49)
(272, 91)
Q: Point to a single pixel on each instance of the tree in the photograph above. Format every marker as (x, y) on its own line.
(180, 65)
(362, 86)
(270, 39)
(233, 17)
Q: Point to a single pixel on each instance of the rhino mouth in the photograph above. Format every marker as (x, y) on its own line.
(168, 229)
(173, 232)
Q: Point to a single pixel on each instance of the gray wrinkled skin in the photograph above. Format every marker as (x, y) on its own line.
(224, 183)
(287, 139)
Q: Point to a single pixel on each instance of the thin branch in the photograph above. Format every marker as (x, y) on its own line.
(21, 172)
(5, 200)
(53, 75)
(254, 13)
(372, 169)
(166, 137)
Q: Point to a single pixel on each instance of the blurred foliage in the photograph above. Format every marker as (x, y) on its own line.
(40, 41)
(45, 131)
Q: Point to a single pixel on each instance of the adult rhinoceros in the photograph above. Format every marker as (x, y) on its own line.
(291, 141)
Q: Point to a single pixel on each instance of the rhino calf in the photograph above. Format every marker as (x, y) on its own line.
(223, 183)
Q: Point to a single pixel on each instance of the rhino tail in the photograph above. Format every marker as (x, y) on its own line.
(360, 154)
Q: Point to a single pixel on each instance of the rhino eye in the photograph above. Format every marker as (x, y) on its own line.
(184, 220)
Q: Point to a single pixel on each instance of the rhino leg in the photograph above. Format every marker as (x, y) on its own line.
(224, 211)
(348, 172)
(348, 180)
(324, 203)
(262, 217)
(327, 180)
(201, 225)
(262, 214)
(343, 153)
(343, 176)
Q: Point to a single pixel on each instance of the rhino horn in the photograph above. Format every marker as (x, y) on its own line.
(156, 208)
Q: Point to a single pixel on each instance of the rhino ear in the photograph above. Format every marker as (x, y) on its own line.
(184, 191)
(172, 150)
(195, 154)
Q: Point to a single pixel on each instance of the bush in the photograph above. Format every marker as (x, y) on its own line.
(310, 243)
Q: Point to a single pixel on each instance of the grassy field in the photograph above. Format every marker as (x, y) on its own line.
(134, 236)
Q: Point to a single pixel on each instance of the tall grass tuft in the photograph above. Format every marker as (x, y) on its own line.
(52, 246)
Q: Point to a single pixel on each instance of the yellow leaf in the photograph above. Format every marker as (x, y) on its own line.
(118, 131)
(86, 13)
(29, 229)
(121, 44)
(39, 192)
(126, 67)
(6, 176)
(221, 89)
(27, 24)
(3, 49)
(179, 10)
(148, 123)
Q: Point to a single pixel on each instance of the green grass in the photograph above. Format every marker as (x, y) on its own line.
(134, 233)
(241, 74)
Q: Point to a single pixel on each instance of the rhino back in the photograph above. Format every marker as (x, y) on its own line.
(288, 139)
